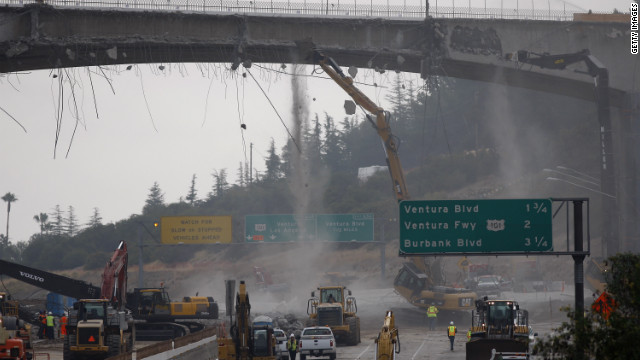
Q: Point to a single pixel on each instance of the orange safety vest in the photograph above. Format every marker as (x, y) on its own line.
(452, 330)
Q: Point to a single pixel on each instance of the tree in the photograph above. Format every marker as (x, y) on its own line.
(43, 220)
(155, 199)
(273, 164)
(71, 222)
(220, 183)
(595, 335)
(193, 194)
(9, 198)
(58, 221)
(96, 218)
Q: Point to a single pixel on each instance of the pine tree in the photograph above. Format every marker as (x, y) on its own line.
(273, 164)
(71, 222)
(155, 199)
(193, 194)
(220, 183)
(57, 227)
(96, 218)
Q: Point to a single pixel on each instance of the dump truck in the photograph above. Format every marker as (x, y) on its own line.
(499, 328)
(333, 309)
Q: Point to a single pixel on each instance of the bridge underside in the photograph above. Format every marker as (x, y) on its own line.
(40, 37)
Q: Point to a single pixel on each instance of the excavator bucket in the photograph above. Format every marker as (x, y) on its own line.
(485, 349)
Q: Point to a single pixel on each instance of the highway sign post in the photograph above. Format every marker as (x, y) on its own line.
(475, 226)
(309, 227)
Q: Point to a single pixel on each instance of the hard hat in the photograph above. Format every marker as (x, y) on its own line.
(292, 335)
(451, 323)
(433, 303)
(50, 313)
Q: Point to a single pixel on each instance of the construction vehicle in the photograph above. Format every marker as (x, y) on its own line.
(160, 320)
(10, 308)
(96, 330)
(498, 328)
(264, 281)
(388, 340)
(248, 340)
(333, 309)
(416, 284)
(11, 345)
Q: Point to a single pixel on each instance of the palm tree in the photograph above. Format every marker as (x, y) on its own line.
(42, 219)
(9, 198)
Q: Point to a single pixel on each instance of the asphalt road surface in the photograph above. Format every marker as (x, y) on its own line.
(416, 342)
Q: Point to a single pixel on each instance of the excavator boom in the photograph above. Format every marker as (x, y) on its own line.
(59, 284)
(381, 123)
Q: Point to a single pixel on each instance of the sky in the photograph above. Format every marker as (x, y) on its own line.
(136, 127)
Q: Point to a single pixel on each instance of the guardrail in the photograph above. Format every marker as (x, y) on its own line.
(168, 345)
(325, 8)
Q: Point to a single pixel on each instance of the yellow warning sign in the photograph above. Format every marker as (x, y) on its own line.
(195, 229)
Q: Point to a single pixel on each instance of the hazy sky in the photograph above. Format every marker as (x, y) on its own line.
(153, 125)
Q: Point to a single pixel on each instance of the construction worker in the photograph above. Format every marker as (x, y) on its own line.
(469, 335)
(50, 324)
(451, 332)
(63, 325)
(292, 346)
(43, 324)
(432, 316)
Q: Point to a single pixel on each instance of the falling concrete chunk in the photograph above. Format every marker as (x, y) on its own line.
(71, 54)
(400, 59)
(113, 53)
(353, 71)
(92, 54)
(247, 63)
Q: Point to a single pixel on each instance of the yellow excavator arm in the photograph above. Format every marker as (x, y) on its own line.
(388, 341)
(381, 123)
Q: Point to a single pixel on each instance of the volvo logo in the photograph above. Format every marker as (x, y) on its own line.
(31, 276)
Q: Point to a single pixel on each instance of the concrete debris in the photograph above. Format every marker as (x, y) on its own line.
(353, 71)
(70, 54)
(247, 63)
(113, 53)
(92, 54)
(16, 49)
(400, 60)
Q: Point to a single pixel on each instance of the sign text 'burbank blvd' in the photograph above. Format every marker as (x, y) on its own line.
(475, 226)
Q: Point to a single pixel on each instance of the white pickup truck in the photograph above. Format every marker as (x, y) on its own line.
(317, 341)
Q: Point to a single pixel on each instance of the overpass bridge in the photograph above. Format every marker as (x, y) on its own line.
(62, 33)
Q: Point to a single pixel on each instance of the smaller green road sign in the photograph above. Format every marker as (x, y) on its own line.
(279, 228)
(345, 227)
(309, 227)
(475, 226)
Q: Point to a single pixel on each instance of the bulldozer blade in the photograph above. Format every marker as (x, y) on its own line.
(481, 349)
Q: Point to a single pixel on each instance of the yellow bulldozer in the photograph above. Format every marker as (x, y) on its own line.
(336, 310)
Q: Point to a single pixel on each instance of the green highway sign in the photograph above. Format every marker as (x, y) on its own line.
(475, 226)
(309, 227)
(345, 227)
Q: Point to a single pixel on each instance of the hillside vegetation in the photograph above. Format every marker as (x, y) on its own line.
(459, 139)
